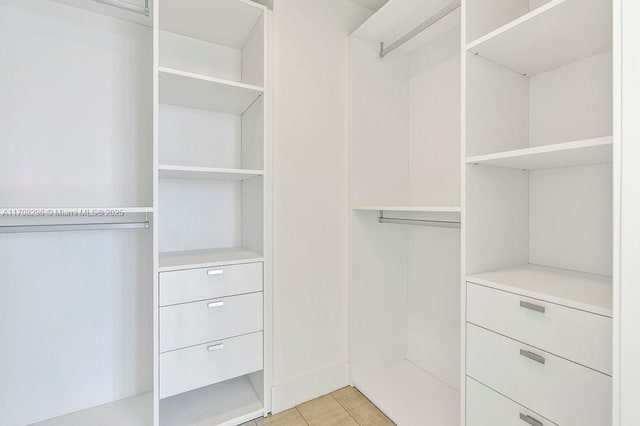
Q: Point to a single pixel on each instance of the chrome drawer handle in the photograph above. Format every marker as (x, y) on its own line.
(533, 307)
(218, 304)
(532, 356)
(215, 272)
(218, 347)
(530, 420)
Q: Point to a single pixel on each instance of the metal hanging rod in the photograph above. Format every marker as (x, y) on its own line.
(384, 51)
(419, 222)
(20, 229)
(122, 4)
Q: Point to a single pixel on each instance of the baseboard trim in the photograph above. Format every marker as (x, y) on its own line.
(305, 388)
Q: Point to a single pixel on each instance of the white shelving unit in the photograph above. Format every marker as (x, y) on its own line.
(214, 208)
(537, 208)
(541, 40)
(569, 154)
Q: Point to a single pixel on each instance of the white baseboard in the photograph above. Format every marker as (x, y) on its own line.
(305, 388)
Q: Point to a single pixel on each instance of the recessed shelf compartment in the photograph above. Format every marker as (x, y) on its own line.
(177, 260)
(569, 154)
(198, 91)
(135, 14)
(232, 402)
(588, 292)
(542, 40)
(186, 172)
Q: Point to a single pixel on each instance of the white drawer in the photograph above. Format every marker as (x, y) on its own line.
(560, 390)
(199, 322)
(203, 365)
(488, 408)
(580, 336)
(208, 283)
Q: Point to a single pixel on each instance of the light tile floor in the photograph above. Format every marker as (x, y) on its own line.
(346, 406)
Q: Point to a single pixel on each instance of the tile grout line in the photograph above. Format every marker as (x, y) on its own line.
(345, 409)
(301, 415)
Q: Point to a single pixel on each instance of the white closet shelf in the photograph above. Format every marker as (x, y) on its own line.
(133, 411)
(398, 17)
(579, 290)
(569, 154)
(417, 209)
(224, 22)
(186, 172)
(558, 33)
(408, 395)
(177, 260)
(198, 91)
(74, 210)
(108, 10)
(232, 402)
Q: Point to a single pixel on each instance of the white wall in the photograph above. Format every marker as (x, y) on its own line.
(310, 196)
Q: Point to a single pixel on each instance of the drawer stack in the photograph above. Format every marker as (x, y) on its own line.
(531, 361)
(211, 326)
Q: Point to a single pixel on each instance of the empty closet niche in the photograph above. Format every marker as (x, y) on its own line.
(210, 217)
(76, 214)
(79, 133)
(405, 195)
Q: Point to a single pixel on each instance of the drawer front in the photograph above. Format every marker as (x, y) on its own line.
(203, 365)
(560, 390)
(570, 333)
(488, 408)
(209, 283)
(208, 320)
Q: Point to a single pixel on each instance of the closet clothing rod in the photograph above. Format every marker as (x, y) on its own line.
(384, 51)
(142, 10)
(420, 222)
(19, 229)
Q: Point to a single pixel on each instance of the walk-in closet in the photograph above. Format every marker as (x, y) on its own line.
(332, 213)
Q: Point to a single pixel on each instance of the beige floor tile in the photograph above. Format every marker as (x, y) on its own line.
(325, 411)
(290, 417)
(360, 408)
(251, 423)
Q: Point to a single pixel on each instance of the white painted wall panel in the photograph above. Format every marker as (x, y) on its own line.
(310, 193)
(571, 218)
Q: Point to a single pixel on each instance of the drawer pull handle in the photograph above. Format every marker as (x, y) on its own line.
(533, 307)
(218, 304)
(532, 356)
(530, 420)
(215, 272)
(218, 347)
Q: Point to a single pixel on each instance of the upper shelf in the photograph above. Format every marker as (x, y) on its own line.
(203, 92)
(578, 153)
(116, 12)
(187, 172)
(411, 209)
(398, 17)
(225, 22)
(558, 33)
(577, 290)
